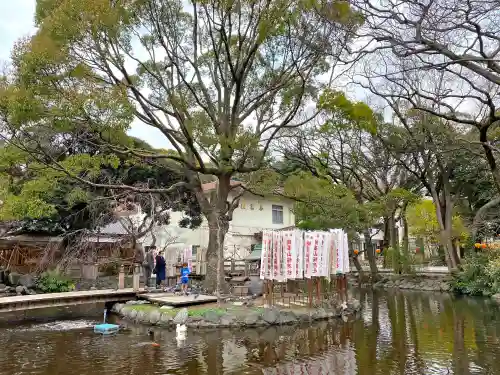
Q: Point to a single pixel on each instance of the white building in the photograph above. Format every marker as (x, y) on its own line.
(253, 215)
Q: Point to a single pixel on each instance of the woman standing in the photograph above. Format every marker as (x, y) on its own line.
(161, 270)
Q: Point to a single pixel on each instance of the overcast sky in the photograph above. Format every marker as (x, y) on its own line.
(16, 21)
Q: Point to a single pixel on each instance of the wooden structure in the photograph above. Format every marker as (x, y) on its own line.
(35, 253)
(42, 301)
(26, 253)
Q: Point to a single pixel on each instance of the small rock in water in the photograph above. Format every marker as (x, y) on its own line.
(27, 281)
(181, 316)
(20, 290)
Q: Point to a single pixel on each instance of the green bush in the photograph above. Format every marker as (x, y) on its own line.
(54, 282)
(110, 269)
(479, 274)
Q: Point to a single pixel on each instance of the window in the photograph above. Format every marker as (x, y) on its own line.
(277, 214)
(195, 250)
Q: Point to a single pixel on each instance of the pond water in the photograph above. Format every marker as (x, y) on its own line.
(398, 333)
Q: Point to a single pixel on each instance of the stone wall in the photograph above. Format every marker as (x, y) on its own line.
(234, 316)
(423, 283)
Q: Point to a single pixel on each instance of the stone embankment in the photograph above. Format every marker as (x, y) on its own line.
(233, 315)
(418, 283)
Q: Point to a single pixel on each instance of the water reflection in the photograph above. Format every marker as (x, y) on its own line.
(416, 334)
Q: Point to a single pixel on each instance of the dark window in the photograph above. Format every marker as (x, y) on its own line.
(277, 214)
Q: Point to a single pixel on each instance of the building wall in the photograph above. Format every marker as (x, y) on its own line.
(252, 216)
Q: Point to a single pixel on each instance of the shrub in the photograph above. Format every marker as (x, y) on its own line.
(54, 282)
(111, 268)
(479, 274)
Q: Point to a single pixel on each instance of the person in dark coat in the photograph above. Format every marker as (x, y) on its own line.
(160, 270)
(149, 263)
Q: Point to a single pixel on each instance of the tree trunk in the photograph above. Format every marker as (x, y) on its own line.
(217, 212)
(478, 218)
(444, 215)
(355, 261)
(406, 241)
(386, 241)
(394, 253)
(370, 252)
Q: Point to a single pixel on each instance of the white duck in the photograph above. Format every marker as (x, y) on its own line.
(180, 322)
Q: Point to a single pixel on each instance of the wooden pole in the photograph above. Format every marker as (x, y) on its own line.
(136, 277)
(121, 278)
(309, 289)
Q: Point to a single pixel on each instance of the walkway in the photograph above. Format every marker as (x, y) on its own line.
(40, 301)
(429, 270)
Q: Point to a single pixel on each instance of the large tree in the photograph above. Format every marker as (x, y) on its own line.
(342, 148)
(42, 199)
(440, 57)
(218, 80)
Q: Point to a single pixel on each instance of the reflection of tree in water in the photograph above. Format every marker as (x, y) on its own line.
(411, 334)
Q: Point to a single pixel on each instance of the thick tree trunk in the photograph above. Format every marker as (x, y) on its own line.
(217, 213)
(215, 277)
(370, 252)
(444, 215)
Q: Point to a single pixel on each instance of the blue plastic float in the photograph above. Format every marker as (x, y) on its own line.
(106, 328)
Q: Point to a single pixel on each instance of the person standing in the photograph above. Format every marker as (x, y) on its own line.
(185, 271)
(149, 263)
(160, 270)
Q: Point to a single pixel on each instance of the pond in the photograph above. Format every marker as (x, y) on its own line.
(398, 333)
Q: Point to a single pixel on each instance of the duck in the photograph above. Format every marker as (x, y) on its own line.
(181, 329)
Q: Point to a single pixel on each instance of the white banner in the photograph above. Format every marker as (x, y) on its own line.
(277, 252)
(290, 254)
(346, 268)
(265, 255)
(308, 249)
(299, 253)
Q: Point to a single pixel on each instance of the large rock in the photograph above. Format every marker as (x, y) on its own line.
(320, 313)
(165, 320)
(154, 316)
(227, 320)
(28, 281)
(21, 290)
(14, 278)
(444, 286)
(142, 317)
(130, 313)
(255, 286)
(211, 316)
(251, 318)
(287, 317)
(270, 316)
(118, 307)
